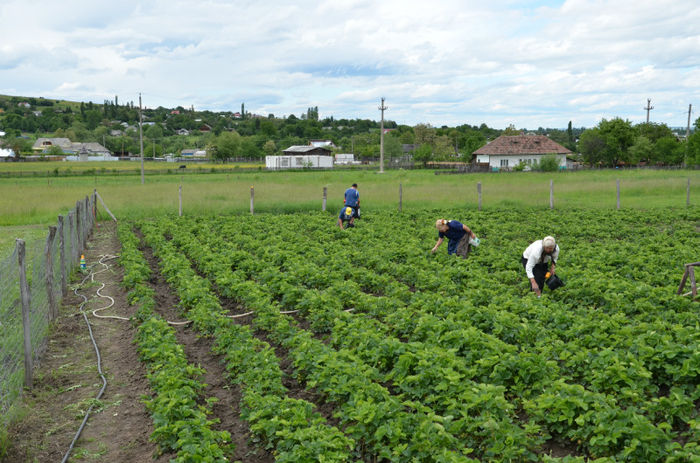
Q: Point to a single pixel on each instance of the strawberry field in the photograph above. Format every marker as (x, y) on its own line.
(413, 357)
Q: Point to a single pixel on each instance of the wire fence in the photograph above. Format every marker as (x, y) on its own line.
(33, 281)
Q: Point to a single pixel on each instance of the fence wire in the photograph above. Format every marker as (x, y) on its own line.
(11, 340)
(45, 270)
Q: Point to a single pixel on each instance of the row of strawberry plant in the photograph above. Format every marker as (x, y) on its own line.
(479, 404)
(292, 427)
(438, 365)
(682, 401)
(181, 423)
(672, 365)
(382, 425)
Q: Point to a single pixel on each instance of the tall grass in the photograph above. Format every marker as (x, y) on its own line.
(39, 201)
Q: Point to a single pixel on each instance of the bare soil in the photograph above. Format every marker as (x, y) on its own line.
(198, 351)
(67, 380)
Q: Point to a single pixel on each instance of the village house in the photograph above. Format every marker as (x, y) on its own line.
(43, 145)
(508, 151)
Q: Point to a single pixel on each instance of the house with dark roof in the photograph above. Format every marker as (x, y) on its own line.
(507, 151)
(301, 157)
(308, 150)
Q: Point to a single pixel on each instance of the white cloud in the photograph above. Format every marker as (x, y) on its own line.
(538, 63)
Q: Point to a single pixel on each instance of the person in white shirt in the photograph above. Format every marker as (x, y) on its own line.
(535, 260)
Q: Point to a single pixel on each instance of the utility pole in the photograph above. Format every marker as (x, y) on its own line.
(141, 138)
(687, 137)
(382, 108)
(648, 108)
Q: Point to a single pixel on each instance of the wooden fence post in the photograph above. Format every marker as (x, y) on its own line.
(26, 305)
(252, 200)
(400, 197)
(179, 196)
(478, 190)
(71, 234)
(618, 194)
(325, 196)
(77, 229)
(88, 218)
(551, 193)
(48, 255)
(62, 244)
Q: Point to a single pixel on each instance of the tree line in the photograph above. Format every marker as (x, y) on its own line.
(226, 135)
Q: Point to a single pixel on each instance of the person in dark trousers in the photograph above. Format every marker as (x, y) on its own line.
(536, 258)
(352, 199)
(458, 235)
(345, 217)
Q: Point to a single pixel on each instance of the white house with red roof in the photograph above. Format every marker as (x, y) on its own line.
(507, 151)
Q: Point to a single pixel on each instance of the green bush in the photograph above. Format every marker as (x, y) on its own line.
(548, 163)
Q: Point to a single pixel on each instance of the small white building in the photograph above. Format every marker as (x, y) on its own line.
(345, 158)
(6, 153)
(193, 153)
(309, 161)
(506, 152)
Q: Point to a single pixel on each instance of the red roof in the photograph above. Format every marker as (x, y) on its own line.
(522, 144)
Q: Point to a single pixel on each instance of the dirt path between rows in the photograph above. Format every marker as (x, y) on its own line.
(67, 380)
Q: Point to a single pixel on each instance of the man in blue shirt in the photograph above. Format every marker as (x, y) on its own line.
(458, 235)
(352, 199)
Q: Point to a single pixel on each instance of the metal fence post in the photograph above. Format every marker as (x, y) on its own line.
(179, 195)
(48, 255)
(618, 194)
(252, 200)
(325, 196)
(400, 197)
(687, 193)
(26, 304)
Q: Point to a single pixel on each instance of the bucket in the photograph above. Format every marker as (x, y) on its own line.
(554, 282)
(474, 241)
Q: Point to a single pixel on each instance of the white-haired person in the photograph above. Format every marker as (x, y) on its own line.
(458, 235)
(536, 258)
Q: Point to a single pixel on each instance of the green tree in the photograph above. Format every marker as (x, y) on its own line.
(668, 151)
(653, 131)
(472, 141)
(571, 143)
(154, 132)
(424, 154)
(226, 146)
(619, 136)
(424, 134)
(642, 149)
(693, 149)
(392, 147)
(444, 148)
(511, 130)
(592, 145)
(269, 148)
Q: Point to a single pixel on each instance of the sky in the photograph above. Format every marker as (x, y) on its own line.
(539, 63)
